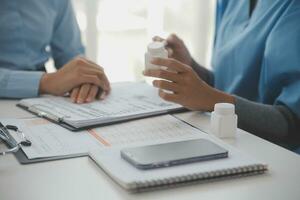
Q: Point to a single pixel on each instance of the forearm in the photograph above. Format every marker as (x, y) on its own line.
(203, 73)
(19, 84)
(273, 122)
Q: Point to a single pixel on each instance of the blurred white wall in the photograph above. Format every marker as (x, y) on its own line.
(116, 32)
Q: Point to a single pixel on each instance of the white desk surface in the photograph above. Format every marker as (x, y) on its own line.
(80, 178)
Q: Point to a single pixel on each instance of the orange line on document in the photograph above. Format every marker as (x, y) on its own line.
(98, 137)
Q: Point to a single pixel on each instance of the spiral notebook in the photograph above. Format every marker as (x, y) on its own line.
(238, 164)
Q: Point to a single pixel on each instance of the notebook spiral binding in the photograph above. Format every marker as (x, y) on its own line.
(140, 186)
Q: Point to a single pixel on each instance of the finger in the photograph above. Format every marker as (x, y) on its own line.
(166, 85)
(107, 84)
(92, 93)
(164, 74)
(83, 92)
(100, 75)
(158, 39)
(103, 95)
(74, 94)
(170, 52)
(174, 41)
(106, 81)
(170, 63)
(168, 96)
(92, 79)
(99, 93)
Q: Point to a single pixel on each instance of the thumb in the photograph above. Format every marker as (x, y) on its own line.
(174, 41)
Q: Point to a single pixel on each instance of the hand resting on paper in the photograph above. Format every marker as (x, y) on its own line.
(83, 79)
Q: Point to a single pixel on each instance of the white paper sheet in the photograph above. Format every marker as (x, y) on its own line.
(50, 139)
(142, 131)
(126, 99)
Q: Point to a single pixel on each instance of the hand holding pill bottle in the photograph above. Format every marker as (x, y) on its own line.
(155, 49)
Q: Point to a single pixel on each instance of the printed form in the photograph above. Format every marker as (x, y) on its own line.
(49, 140)
(126, 99)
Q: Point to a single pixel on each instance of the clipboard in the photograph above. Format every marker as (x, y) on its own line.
(60, 119)
(127, 101)
(22, 158)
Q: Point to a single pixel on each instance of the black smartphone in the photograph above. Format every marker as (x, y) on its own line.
(174, 153)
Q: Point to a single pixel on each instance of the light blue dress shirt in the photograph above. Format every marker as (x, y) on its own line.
(32, 31)
(258, 57)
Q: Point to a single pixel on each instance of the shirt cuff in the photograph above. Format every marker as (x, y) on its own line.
(205, 74)
(23, 84)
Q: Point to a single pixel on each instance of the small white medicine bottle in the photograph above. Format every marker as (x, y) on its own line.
(155, 49)
(224, 120)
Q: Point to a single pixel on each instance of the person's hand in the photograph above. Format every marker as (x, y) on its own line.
(75, 74)
(176, 49)
(183, 86)
(87, 93)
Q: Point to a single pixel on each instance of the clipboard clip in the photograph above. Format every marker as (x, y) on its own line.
(44, 114)
(10, 140)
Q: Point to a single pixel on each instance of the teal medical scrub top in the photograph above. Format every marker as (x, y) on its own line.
(258, 57)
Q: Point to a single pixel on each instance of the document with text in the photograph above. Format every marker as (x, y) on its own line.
(128, 100)
(51, 140)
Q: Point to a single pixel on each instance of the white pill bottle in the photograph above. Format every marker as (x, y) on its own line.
(155, 49)
(224, 120)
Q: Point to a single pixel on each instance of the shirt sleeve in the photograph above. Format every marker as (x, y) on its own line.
(66, 40)
(206, 75)
(281, 65)
(272, 122)
(19, 84)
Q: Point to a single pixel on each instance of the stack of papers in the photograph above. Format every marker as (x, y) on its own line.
(128, 100)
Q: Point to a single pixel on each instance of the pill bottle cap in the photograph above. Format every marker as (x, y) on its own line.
(224, 109)
(156, 47)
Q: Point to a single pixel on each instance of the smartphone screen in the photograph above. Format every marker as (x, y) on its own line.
(174, 153)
